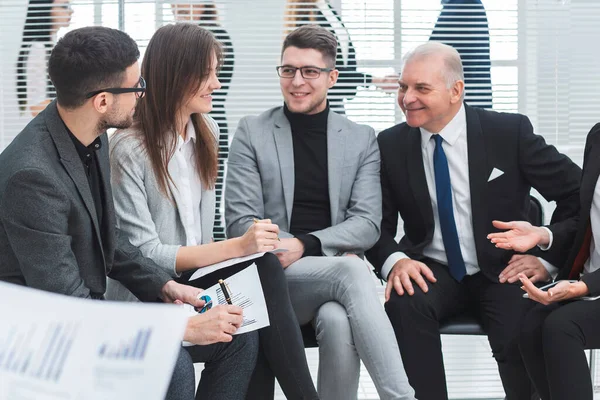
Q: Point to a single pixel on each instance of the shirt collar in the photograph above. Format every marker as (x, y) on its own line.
(84, 152)
(451, 132)
(190, 134)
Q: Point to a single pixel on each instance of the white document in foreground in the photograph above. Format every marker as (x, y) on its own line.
(245, 291)
(200, 272)
(59, 347)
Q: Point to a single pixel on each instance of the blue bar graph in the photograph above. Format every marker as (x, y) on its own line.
(129, 349)
(22, 354)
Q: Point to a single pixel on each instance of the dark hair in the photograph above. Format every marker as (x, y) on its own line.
(88, 59)
(176, 65)
(38, 25)
(313, 37)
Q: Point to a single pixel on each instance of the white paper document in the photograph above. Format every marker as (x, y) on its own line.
(245, 290)
(60, 347)
(200, 272)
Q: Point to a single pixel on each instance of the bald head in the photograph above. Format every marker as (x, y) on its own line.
(446, 56)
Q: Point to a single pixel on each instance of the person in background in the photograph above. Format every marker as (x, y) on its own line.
(463, 25)
(302, 12)
(44, 19)
(206, 14)
(163, 172)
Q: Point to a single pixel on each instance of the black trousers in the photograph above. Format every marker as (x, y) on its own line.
(552, 342)
(281, 352)
(416, 318)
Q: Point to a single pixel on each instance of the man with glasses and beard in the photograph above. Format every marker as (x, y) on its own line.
(57, 219)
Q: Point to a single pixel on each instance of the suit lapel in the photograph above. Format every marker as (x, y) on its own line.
(478, 173)
(336, 141)
(417, 180)
(282, 132)
(589, 180)
(72, 163)
(109, 206)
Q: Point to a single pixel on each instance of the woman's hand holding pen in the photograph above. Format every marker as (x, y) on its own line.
(215, 325)
(261, 236)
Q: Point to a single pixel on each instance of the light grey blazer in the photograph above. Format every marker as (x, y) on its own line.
(150, 220)
(260, 180)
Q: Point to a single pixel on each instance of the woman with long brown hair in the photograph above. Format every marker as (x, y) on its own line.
(206, 14)
(163, 173)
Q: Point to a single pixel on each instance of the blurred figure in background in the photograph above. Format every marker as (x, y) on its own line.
(463, 25)
(320, 12)
(44, 19)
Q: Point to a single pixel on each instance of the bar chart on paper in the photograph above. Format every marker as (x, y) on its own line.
(38, 352)
(133, 348)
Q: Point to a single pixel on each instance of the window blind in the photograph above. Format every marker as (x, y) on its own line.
(540, 56)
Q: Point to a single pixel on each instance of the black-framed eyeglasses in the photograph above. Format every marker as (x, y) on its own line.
(139, 90)
(286, 71)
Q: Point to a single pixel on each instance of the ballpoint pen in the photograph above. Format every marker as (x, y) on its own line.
(225, 291)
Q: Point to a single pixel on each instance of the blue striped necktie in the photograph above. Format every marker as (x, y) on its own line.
(443, 190)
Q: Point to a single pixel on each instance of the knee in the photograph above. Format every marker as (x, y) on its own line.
(331, 322)
(354, 272)
(557, 328)
(270, 269)
(245, 347)
(405, 306)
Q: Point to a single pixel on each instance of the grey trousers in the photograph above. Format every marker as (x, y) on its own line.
(338, 295)
(227, 370)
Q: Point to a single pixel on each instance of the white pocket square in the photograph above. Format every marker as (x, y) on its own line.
(495, 174)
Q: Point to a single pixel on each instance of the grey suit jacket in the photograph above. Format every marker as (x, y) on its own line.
(149, 219)
(50, 238)
(260, 180)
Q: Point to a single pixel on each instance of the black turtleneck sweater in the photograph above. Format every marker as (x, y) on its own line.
(311, 210)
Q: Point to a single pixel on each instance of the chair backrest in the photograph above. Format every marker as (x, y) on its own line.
(536, 211)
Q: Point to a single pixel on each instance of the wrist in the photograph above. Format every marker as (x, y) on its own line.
(544, 237)
(236, 247)
(300, 245)
(579, 289)
(164, 292)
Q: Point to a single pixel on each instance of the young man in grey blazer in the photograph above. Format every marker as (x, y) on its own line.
(316, 175)
(57, 217)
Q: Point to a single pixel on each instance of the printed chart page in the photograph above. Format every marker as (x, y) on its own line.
(245, 290)
(59, 347)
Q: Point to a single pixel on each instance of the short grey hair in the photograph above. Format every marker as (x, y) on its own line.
(453, 70)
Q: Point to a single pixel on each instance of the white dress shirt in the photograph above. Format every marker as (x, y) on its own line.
(456, 150)
(189, 184)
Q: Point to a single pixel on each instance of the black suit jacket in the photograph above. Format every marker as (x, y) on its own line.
(576, 227)
(50, 237)
(494, 140)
